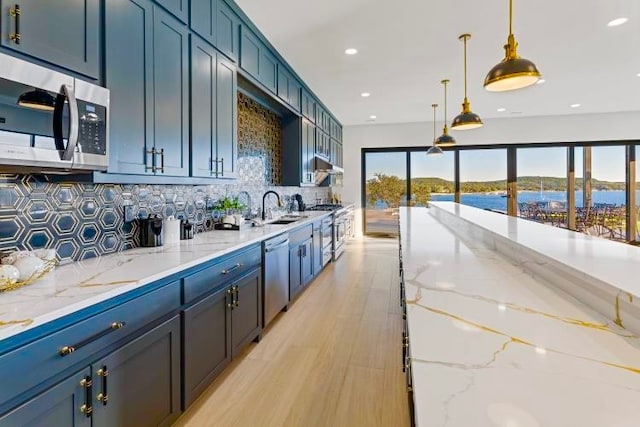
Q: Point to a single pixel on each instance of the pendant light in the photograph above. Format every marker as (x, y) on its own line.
(467, 119)
(434, 150)
(513, 72)
(37, 99)
(445, 140)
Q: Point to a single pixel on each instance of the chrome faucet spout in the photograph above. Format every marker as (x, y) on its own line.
(264, 197)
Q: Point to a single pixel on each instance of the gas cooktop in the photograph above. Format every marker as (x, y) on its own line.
(325, 207)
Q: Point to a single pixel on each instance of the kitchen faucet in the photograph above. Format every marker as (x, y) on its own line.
(264, 196)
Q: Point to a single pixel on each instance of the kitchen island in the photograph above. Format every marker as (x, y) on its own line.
(491, 342)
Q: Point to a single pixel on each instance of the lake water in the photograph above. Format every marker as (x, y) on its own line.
(495, 201)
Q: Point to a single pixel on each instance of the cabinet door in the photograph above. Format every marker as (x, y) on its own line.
(294, 271)
(128, 48)
(308, 152)
(143, 381)
(283, 84)
(268, 74)
(249, 52)
(206, 342)
(62, 32)
(178, 8)
(306, 262)
(316, 257)
(294, 94)
(308, 106)
(204, 17)
(305, 177)
(228, 29)
(171, 88)
(227, 119)
(246, 315)
(204, 60)
(61, 405)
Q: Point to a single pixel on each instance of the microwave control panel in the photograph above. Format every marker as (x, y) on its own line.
(92, 128)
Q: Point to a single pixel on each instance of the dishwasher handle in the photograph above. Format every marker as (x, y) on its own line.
(276, 247)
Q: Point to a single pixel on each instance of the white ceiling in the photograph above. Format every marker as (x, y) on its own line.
(407, 46)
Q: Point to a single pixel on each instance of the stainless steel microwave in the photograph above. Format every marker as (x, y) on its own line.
(50, 121)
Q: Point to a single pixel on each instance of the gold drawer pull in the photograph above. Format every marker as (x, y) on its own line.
(229, 270)
(68, 349)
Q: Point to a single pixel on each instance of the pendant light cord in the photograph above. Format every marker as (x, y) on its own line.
(510, 17)
(465, 67)
(444, 82)
(434, 121)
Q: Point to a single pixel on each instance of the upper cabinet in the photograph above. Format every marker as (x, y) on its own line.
(147, 73)
(204, 19)
(308, 105)
(214, 118)
(228, 30)
(178, 8)
(288, 88)
(257, 60)
(65, 33)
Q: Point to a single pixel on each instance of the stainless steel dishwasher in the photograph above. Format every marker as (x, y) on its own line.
(275, 253)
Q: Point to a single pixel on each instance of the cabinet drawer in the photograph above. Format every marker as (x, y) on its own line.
(220, 273)
(301, 234)
(32, 364)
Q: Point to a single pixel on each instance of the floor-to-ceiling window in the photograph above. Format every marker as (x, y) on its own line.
(483, 178)
(542, 185)
(432, 177)
(385, 190)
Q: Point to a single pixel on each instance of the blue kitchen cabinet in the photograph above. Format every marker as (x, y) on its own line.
(204, 17)
(64, 404)
(178, 8)
(129, 76)
(214, 106)
(228, 31)
(308, 105)
(171, 94)
(308, 152)
(257, 60)
(149, 89)
(65, 33)
(288, 88)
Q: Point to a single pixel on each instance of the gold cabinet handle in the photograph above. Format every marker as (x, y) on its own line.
(68, 349)
(15, 12)
(87, 407)
(103, 396)
(229, 270)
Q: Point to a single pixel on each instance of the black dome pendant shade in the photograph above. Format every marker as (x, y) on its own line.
(434, 150)
(466, 119)
(445, 140)
(37, 99)
(513, 72)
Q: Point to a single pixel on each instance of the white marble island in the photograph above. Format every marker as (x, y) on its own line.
(493, 346)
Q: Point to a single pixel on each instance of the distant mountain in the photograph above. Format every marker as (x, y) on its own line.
(525, 183)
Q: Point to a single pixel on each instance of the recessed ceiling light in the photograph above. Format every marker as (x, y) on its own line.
(541, 350)
(516, 112)
(351, 51)
(575, 105)
(501, 110)
(365, 94)
(638, 74)
(616, 22)
(372, 117)
(541, 81)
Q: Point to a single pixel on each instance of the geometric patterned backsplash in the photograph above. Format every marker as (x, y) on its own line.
(84, 220)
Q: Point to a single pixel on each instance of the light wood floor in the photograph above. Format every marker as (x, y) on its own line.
(334, 359)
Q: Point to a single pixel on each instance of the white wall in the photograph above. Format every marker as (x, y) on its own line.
(570, 128)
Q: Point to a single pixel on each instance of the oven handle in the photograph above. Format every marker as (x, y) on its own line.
(66, 153)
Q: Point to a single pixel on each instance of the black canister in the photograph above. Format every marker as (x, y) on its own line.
(150, 231)
(186, 229)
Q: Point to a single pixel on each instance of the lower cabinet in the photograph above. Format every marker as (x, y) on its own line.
(136, 385)
(300, 266)
(217, 328)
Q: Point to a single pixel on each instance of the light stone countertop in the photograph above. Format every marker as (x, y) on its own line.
(79, 285)
(492, 346)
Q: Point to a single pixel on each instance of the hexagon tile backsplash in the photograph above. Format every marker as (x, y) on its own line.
(86, 220)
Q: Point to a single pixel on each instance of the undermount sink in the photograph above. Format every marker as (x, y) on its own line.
(283, 221)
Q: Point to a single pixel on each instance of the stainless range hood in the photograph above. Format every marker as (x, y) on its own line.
(323, 169)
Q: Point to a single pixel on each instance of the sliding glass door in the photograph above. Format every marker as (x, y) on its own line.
(385, 188)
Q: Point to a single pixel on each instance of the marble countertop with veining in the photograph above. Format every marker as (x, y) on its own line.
(491, 346)
(608, 261)
(78, 285)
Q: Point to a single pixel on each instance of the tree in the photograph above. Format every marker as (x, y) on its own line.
(391, 190)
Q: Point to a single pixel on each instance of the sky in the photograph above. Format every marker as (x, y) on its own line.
(608, 164)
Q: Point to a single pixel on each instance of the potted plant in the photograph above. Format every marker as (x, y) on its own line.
(230, 210)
